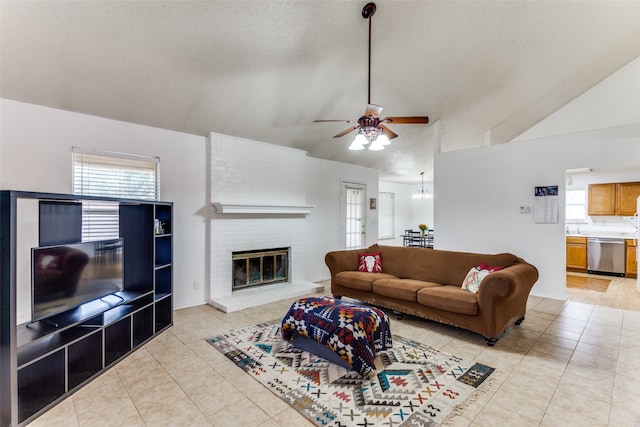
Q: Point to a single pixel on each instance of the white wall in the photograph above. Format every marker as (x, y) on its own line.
(480, 190)
(324, 180)
(35, 146)
(244, 171)
(35, 155)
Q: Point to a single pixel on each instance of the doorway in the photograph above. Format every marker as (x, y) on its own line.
(581, 284)
(353, 208)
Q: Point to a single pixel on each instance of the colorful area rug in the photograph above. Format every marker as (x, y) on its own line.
(415, 385)
(587, 283)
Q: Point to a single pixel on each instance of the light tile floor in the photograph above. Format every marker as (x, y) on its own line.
(621, 293)
(569, 364)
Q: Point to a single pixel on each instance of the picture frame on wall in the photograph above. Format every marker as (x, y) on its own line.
(372, 203)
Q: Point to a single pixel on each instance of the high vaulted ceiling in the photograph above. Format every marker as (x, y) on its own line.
(265, 70)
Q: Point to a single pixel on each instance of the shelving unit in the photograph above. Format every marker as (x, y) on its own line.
(44, 361)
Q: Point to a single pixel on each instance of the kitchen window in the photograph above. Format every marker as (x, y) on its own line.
(576, 206)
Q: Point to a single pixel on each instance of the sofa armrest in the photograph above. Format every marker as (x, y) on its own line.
(338, 261)
(512, 283)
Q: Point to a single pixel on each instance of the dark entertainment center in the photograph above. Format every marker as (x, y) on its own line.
(44, 360)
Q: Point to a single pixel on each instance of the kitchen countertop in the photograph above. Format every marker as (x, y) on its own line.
(605, 235)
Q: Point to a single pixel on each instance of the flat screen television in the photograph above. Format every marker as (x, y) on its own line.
(66, 276)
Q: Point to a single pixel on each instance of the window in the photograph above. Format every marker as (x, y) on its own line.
(576, 209)
(115, 175)
(386, 219)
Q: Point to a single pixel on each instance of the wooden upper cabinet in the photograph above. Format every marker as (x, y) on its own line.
(613, 199)
(602, 199)
(627, 194)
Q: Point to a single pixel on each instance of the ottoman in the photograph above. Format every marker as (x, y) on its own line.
(351, 333)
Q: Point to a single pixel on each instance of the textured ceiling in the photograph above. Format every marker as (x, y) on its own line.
(266, 69)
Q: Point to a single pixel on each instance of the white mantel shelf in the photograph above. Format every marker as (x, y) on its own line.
(230, 208)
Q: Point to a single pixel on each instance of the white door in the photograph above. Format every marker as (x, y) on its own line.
(353, 202)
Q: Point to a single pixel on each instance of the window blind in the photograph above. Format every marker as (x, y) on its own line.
(100, 220)
(111, 175)
(115, 175)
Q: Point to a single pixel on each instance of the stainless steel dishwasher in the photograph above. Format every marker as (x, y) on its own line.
(606, 256)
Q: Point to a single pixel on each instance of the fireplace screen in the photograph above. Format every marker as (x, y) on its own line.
(262, 267)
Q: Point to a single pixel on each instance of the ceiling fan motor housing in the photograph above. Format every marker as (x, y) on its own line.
(369, 124)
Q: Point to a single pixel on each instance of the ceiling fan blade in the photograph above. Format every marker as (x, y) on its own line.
(406, 120)
(344, 121)
(344, 132)
(390, 134)
(373, 110)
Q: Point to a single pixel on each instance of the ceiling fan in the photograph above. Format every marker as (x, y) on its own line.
(370, 127)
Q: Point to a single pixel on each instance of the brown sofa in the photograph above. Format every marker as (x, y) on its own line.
(427, 283)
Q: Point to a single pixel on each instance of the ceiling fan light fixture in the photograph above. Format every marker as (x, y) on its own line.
(376, 145)
(358, 142)
(383, 139)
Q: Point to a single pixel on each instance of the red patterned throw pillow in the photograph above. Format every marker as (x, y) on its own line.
(370, 262)
(491, 269)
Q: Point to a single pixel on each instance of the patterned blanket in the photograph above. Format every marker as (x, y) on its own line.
(354, 332)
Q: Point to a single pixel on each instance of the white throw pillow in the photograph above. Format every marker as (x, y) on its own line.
(473, 279)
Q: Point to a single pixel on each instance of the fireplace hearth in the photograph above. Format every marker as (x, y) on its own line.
(259, 267)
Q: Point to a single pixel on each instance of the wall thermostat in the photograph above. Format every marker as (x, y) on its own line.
(524, 209)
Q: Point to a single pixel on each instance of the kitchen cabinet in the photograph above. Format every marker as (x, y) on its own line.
(627, 194)
(577, 254)
(613, 199)
(602, 199)
(631, 269)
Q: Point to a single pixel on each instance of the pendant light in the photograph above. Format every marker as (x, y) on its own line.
(422, 193)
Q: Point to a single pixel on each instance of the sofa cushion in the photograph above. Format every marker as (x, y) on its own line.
(362, 281)
(449, 298)
(404, 289)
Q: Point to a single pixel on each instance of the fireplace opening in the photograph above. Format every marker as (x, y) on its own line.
(260, 267)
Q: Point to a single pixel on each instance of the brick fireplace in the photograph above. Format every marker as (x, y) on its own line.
(258, 201)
